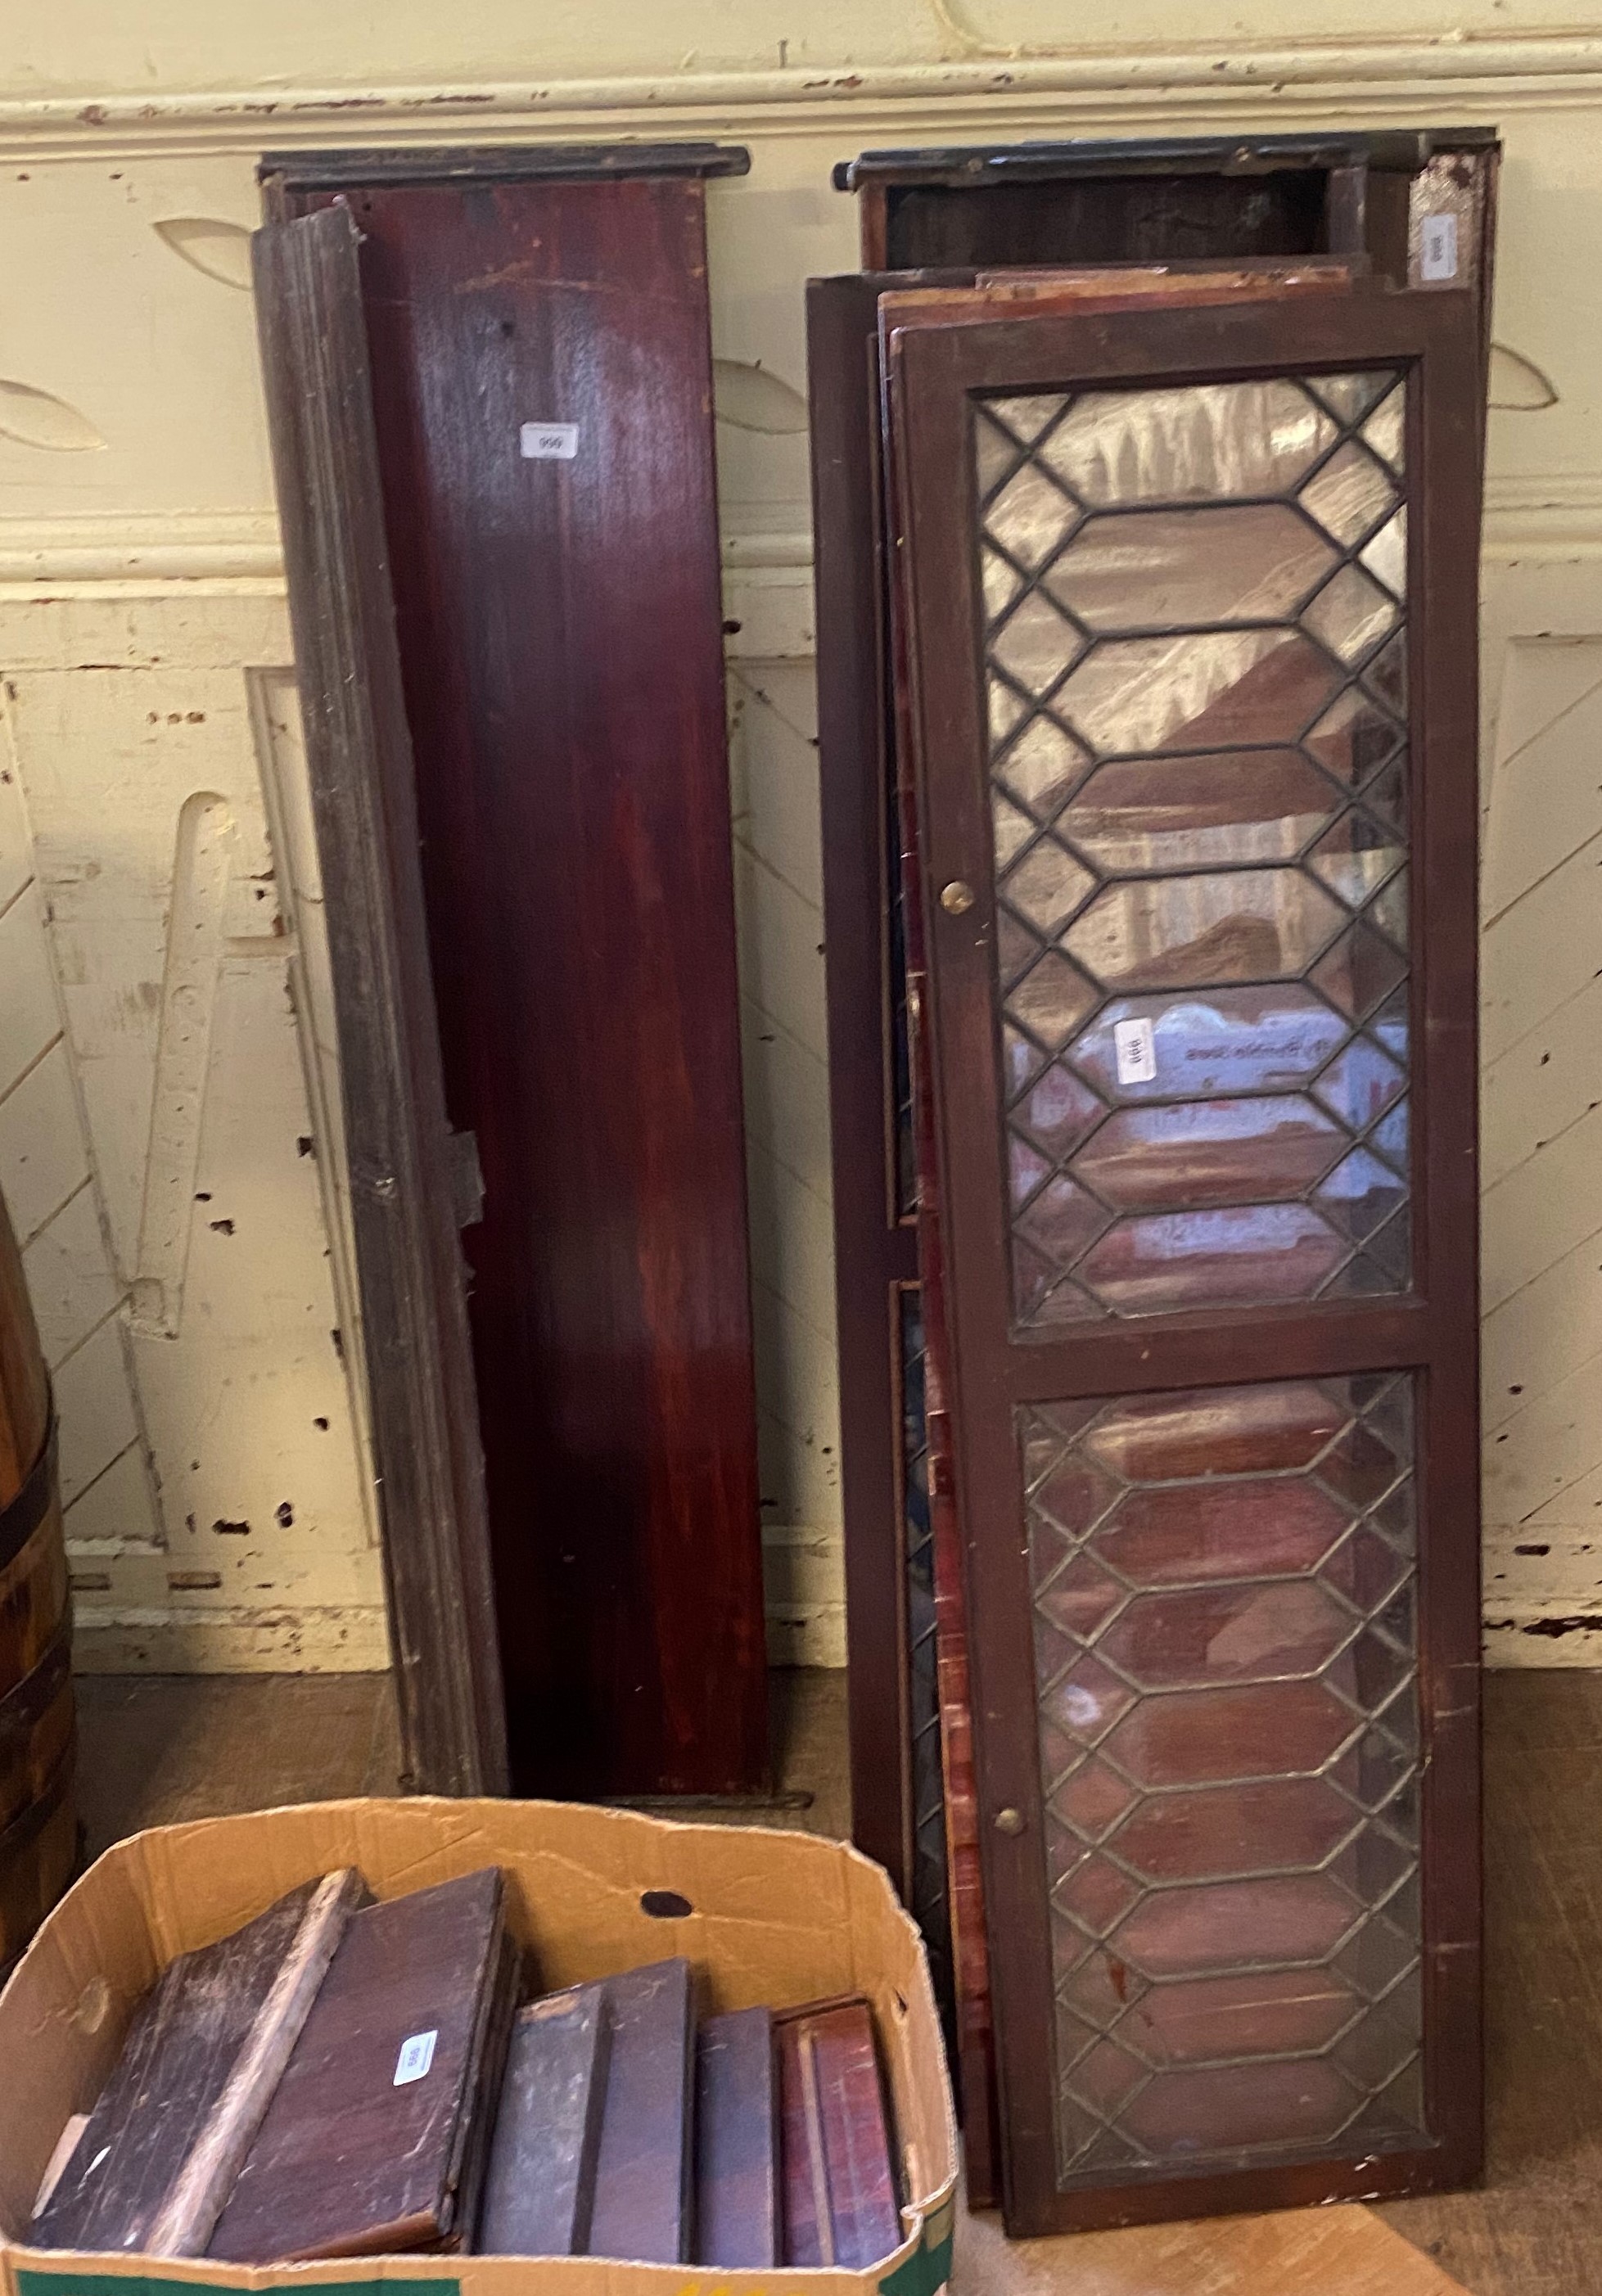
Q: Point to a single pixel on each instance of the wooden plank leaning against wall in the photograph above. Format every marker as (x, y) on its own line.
(541, 401)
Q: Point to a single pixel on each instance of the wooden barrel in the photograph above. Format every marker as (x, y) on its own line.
(39, 1814)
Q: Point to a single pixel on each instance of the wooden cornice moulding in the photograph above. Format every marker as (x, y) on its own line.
(1009, 97)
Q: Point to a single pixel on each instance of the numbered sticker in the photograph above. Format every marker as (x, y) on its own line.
(416, 2056)
(549, 442)
(1135, 1049)
(1438, 247)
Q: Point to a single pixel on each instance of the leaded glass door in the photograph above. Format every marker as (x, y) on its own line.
(1189, 605)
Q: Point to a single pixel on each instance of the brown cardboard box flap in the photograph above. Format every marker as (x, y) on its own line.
(775, 1917)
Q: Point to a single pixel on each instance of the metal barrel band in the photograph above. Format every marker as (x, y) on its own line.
(32, 1697)
(26, 1510)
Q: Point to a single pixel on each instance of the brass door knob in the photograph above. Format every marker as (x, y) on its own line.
(1009, 1821)
(957, 899)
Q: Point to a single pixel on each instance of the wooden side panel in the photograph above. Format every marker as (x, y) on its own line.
(737, 2141)
(839, 2174)
(874, 1249)
(368, 2143)
(644, 2175)
(559, 614)
(199, 2192)
(436, 1540)
(180, 2050)
(541, 2180)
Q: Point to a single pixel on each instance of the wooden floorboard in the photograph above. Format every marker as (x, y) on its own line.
(156, 1749)
(1535, 2227)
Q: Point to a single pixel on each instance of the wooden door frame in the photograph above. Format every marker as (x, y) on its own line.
(405, 1164)
(1433, 1330)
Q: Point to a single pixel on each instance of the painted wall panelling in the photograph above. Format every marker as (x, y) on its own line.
(1542, 1086)
(157, 1150)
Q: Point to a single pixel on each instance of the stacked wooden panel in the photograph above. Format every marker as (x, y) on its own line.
(344, 2079)
(1381, 202)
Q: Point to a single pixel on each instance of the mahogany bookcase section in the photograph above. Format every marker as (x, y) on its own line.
(1188, 659)
(961, 214)
(540, 380)
(1027, 205)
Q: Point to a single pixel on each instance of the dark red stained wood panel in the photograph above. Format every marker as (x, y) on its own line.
(559, 626)
(360, 2154)
(839, 2178)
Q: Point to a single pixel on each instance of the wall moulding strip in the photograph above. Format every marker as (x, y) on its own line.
(999, 96)
(1555, 515)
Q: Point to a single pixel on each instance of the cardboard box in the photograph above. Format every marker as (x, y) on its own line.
(772, 1917)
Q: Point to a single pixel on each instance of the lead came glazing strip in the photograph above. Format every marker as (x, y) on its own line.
(1196, 697)
(1223, 1587)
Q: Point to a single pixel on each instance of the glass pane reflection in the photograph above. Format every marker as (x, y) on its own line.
(1196, 673)
(1226, 1679)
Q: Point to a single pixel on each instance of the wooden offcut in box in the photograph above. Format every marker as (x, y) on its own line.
(763, 1918)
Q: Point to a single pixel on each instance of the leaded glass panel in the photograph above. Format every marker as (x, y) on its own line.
(1223, 1586)
(1196, 668)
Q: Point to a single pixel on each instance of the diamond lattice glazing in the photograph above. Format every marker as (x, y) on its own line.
(1196, 672)
(1223, 1590)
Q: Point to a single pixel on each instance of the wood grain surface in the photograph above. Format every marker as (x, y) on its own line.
(175, 2064)
(737, 2141)
(351, 2159)
(39, 1854)
(1339, 2251)
(560, 632)
(839, 2177)
(187, 2216)
(540, 2184)
(36, 1709)
(645, 2167)
(429, 1477)
(24, 1384)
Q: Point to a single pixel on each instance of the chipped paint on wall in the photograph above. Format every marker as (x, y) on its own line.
(1542, 1115)
(211, 1471)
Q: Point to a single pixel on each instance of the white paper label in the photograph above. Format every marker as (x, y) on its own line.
(549, 442)
(1135, 1051)
(416, 2056)
(1438, 247)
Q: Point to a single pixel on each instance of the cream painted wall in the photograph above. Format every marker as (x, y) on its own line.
(169, 1111)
